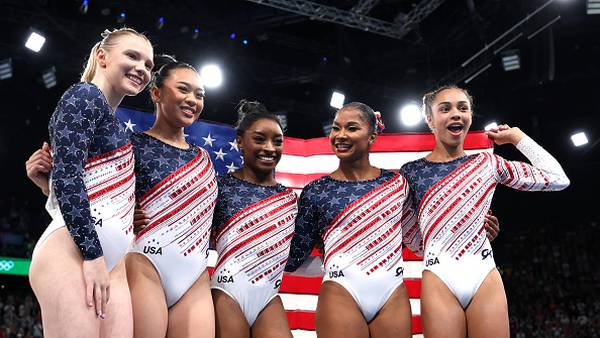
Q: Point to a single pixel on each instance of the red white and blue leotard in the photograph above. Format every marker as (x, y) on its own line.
(253, 228)
(92, 180)
(361, 225)
(452, 199)
(178, 189)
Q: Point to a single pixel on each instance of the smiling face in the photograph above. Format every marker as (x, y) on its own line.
(351, 137)
(127, 64)
(450, 117)
(180, 99)
(261, 145)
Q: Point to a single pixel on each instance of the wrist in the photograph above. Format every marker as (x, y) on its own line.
(518, 136)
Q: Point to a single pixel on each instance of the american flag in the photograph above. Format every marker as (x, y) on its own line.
(302, 162)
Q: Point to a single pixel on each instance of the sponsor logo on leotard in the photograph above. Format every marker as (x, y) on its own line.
(277, 284)
(432, 261)
(335, 272)
(486, 253)
(97, 222)
(225, 279)
(153, 250)
(399, 271)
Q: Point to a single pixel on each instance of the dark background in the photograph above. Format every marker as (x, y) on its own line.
(547, 247)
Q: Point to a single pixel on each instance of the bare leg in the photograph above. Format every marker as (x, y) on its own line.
(193, 315)
(487, 315)
(441, 313)
(231, 322)
(272, 321)
(119, 321)
(338, 314)
(56, 277)
(150, 313)
(395, 318)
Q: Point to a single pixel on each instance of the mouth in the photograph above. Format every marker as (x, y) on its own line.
(188, 111)
(456, 128)
(134, 78)
(342, 147)
(266, 159)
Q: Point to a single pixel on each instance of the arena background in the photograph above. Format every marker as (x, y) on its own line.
(291, 55)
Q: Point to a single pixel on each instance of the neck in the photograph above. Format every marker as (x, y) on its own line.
(357, 170)
(444, 152)
(112, 97)
(260, 178)
(166, 132)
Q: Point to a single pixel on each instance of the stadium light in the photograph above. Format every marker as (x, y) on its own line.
(337, 100)
(83, 8)
(410, 115)
(579, 139)
(511, 60)
(211, 75)
(490, 126)
(6, 70)
(160, 23)
(122, 17)
(35, 42)
(593, 7)
(49, 77)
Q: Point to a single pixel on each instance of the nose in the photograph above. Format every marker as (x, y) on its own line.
(269, 146)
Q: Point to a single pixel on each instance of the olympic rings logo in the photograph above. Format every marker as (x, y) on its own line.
(6, 265)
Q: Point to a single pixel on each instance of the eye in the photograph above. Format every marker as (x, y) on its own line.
(353, 128)
(336, 128)
(183, 89)
(278, 142)
(200, 96)
(259, 139)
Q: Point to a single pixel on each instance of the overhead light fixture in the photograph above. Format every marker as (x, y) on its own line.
(337, 100)
(211, 75)
(49, 77)
(122, 17)
(160, 23)
(511, 60)
(579, 139)
(6, 71)
(83, 8)
(593, 7)
(196, 33)
(410, 115)
(35, 42)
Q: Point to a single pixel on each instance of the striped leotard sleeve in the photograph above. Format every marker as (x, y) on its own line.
(72, 128)
(543, 174)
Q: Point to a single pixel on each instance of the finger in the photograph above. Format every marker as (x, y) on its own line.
(89, 294)
(107, 294)
(98, 299)
(104, 301)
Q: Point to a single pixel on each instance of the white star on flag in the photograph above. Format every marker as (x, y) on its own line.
(129, 125)
(219, 154)
(234, 145)
(208, 140)
(231, 168)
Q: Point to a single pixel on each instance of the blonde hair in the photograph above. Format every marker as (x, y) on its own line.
(108, 41)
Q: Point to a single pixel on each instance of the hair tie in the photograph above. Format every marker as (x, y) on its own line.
(379, 122)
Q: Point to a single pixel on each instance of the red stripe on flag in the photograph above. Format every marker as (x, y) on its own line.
(384, 143)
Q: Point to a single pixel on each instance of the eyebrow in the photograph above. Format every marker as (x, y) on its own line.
(448, 102)
(189, 85)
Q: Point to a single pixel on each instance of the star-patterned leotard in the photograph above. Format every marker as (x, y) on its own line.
(92, 179)
(178, 189)
(253, 228)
